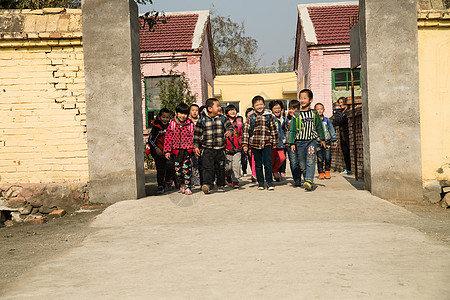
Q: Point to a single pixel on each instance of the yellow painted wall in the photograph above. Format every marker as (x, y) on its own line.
(42, 107)
(434, 85)
(243, 88)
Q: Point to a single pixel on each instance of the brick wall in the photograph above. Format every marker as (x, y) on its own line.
(337, 161)
(43, 109)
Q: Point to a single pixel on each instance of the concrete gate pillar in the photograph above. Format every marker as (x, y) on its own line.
(113, 100)
(390, 85)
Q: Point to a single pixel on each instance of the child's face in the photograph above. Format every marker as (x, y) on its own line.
(232, 113)
(276, 110)
(182, 117)
(259, 106)
(291, 111)
(305, 102)
(320, 109)
(250, 113)
(194, 112)
(341, 103)
(164, 118)
(214, 110)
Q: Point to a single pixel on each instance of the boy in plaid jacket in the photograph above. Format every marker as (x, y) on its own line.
(210, 136)
(261, 135)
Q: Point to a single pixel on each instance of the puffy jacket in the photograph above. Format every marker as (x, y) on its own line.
(179, 136)
(281, 131)
(157, 135)
(235, 141)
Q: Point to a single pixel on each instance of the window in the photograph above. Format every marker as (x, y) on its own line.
(152, 101)
(342, 80)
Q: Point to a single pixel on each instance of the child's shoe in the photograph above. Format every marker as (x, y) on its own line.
(298, 183)
(221, 189)
(205, 189)
(235, 185)
(187, 191)
(160, 190)
(321, 176)
(327, 175)
(168, 186)
(276, 176)
(283, 176)
(270, 186)
(346, 172)
(253, 179)
(308, 185)
(260, 186)
(228, 180)
(182, 189)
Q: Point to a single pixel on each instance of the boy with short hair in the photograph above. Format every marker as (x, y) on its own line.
(293, 157)
(261, 135)
(178, 144)
(304, 130)
(233, 148)
(164, 168)
(209, 135)
(324, 153)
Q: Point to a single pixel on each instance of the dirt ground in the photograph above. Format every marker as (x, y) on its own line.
(25, 245)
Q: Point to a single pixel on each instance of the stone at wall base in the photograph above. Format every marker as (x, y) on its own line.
(445, 203)
(432, 191)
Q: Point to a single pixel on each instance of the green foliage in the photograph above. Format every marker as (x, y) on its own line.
(234, 53)
(175, 89)
(151, 18)
(280, 66)
(38, 4)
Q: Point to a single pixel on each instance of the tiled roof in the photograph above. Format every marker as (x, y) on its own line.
(331, 23)
(176, 35)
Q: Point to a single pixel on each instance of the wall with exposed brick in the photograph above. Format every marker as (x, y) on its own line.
(43, 110)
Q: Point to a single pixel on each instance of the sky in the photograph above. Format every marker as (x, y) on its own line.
(271, 22)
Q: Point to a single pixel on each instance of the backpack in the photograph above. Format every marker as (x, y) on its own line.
(238, 125)
(299, 123)
(252, 120)
(202, 120)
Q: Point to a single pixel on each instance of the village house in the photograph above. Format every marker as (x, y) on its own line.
(183, 44)
(322, 51)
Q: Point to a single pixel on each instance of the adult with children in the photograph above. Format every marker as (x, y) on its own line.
(304, 130)
(209, 143)
(278, 156)
(234, 148)
(340, 119)
(324, 153)
(178, 146)
(164, 168)
(261, 135)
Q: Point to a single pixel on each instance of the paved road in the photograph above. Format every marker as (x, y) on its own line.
(337, 242)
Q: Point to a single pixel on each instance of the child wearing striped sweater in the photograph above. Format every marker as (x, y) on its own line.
(304, 131)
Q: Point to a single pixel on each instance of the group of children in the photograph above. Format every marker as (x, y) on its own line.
(200, 145)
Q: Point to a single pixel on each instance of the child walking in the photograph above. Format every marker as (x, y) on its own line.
(233, 148)
(178, 144)
(164, 168)
(261, 135)
(196, 164)
(324, 153)
(277, 156)
(292, 155)
(209, 136)
(304, 130)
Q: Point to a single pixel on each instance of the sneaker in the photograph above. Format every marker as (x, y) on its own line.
(270, 186)
(187, 191)
(221, 189)
(327, 175)
(168, 186)
(277, 176)
(235, 185)
(321, 176)
(160, 190)
(308, 185)
(260, 186)
(346, 172)
(205, 189)
(283, 176)
(182, 189)
(253, 179)
(298, 183)
(228, 180)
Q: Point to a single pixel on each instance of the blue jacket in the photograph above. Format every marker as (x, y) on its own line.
(330, 134)
(281, 131)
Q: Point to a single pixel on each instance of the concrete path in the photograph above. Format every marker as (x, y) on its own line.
(334, 243)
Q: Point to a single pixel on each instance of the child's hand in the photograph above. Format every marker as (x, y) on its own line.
(167, 155)
(324, 145)
(228, 133)
(197, 152)
(293, 148)
(159, 152)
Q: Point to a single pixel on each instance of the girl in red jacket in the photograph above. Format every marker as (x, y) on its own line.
(178, 145)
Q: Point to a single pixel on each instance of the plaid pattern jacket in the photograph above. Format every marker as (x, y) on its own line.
(210, 132)
(265, 133)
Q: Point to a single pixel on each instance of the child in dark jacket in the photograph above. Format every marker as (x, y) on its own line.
(324, 153)
(233, 148)
(164, 168)
(178, 145)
